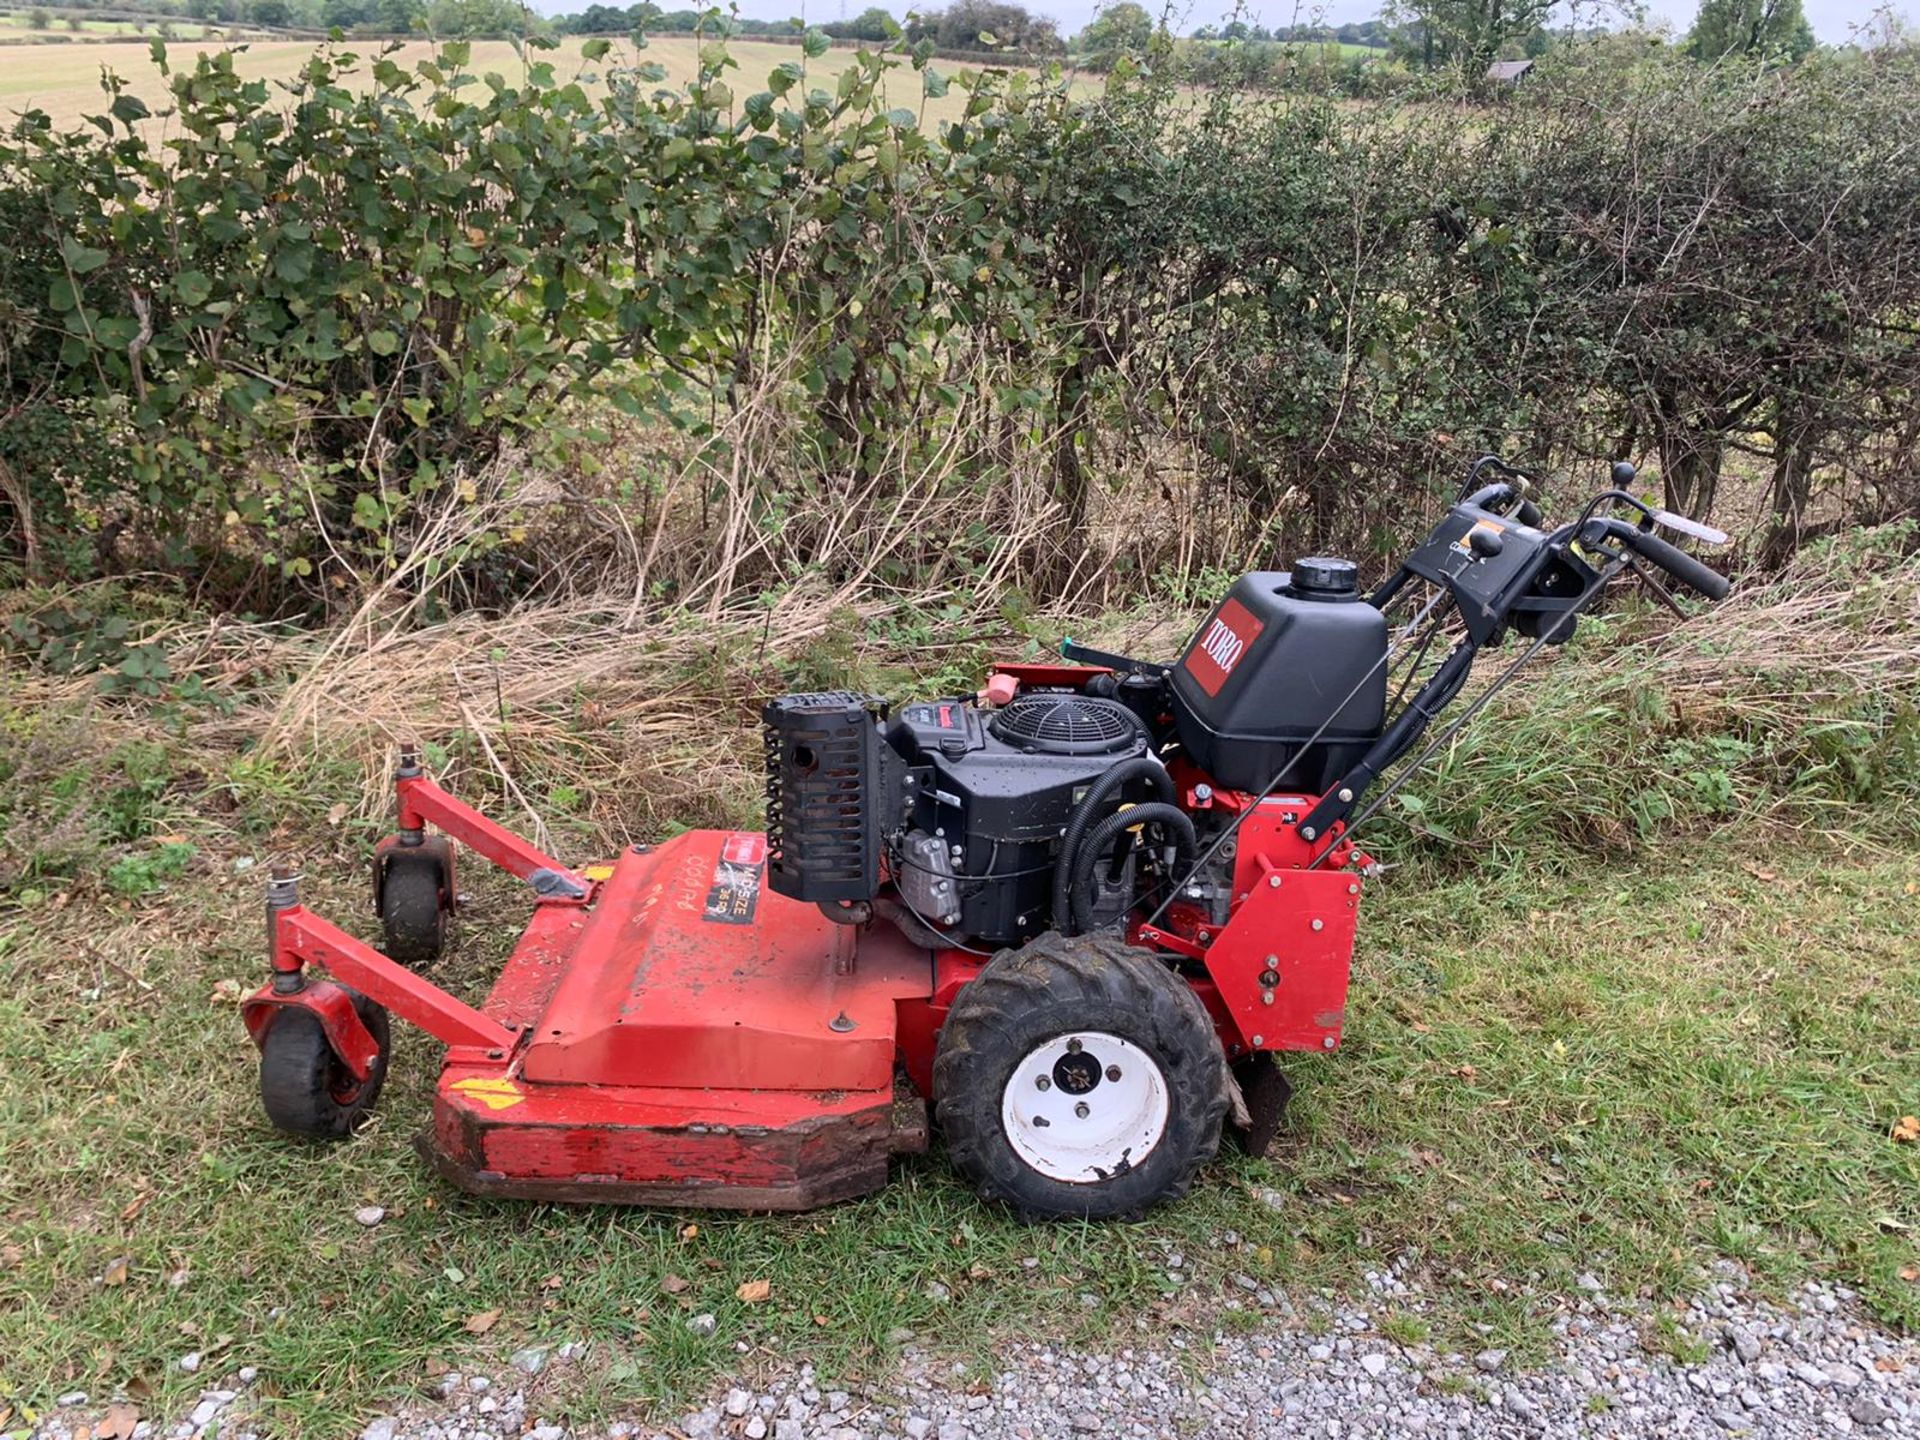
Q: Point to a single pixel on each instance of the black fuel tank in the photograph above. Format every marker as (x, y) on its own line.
(1268, 667)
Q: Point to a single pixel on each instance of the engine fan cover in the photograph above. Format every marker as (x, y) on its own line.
(1067, 725)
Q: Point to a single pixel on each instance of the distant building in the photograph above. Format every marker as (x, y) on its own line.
(1508, 72)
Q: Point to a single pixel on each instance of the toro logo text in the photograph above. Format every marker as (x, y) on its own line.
(1221, 645)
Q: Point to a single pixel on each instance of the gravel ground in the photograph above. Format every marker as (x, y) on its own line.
(1319, 1368)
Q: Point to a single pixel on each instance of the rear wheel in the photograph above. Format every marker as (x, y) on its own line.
(306, 1088)
(413, 909)
(1078, 1077)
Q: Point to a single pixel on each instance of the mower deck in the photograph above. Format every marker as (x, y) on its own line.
(691, 1038)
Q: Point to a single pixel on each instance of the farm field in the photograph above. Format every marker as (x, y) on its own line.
(17, 24)
(64, 81)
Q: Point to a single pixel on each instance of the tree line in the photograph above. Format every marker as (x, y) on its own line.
(1422, 34)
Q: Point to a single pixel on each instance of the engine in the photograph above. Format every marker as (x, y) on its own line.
(956, 818)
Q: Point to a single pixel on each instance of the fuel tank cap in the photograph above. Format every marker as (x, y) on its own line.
(1326, 578)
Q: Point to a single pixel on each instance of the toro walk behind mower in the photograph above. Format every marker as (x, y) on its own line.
(1074, 912)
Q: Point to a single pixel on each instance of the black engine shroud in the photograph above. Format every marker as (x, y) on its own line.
(962, 808)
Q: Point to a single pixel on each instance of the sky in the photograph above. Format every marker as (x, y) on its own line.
(1832, 20)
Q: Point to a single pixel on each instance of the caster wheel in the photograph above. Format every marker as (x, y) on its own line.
(306, 1089)
(413, 910)
(1079, 1078)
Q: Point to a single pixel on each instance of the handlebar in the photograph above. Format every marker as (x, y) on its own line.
(1655, 551)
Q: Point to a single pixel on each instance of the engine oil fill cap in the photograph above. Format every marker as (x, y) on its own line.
(1325, 578)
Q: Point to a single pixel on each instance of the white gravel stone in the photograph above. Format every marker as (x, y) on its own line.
(370, 1215)
(203, 1413)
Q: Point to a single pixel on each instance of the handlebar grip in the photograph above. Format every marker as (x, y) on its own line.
(1676, 562)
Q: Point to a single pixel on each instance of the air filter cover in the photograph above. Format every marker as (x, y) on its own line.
(1067, 725)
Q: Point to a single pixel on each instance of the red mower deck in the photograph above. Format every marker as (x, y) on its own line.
(644, 1013)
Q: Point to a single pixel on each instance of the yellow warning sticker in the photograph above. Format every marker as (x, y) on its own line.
(494, 1093)
(598, 872)
(1465, 543)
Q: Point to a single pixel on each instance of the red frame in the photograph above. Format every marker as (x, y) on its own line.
(422, 803)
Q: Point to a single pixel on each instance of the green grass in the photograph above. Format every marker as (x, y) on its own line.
(1553, 1065)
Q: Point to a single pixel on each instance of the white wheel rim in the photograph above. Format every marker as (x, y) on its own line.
(1085, 1107)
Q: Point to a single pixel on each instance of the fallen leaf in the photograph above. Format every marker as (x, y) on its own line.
(1910, 1272)
(134, 1206)
(482, 1322)
(1887, 1365)
(83, 1432)
(674, 1284)
(689, 1232)
(337, 813)
(1420, 1029)
(228, 992)
(1466, 1072)
(117, 1270)
(1908, 1130)
(822, 1321)
(752, 1292)
(977, 1271)
(10, 1256)
(552, 1282)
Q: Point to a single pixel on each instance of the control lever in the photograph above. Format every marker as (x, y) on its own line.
(1655, 551)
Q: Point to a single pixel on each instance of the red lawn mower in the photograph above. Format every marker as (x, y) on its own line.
(1074, 912)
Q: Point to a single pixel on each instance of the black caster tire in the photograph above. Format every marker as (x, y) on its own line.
(413, 910)
(1079, 1078)
(306, 1088)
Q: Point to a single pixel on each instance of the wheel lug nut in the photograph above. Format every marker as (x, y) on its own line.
(1073, 1047)
(1113, 1072)
(1043, 1082)
(1081, 1110)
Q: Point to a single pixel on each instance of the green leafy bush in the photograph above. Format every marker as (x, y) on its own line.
(302, 325)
